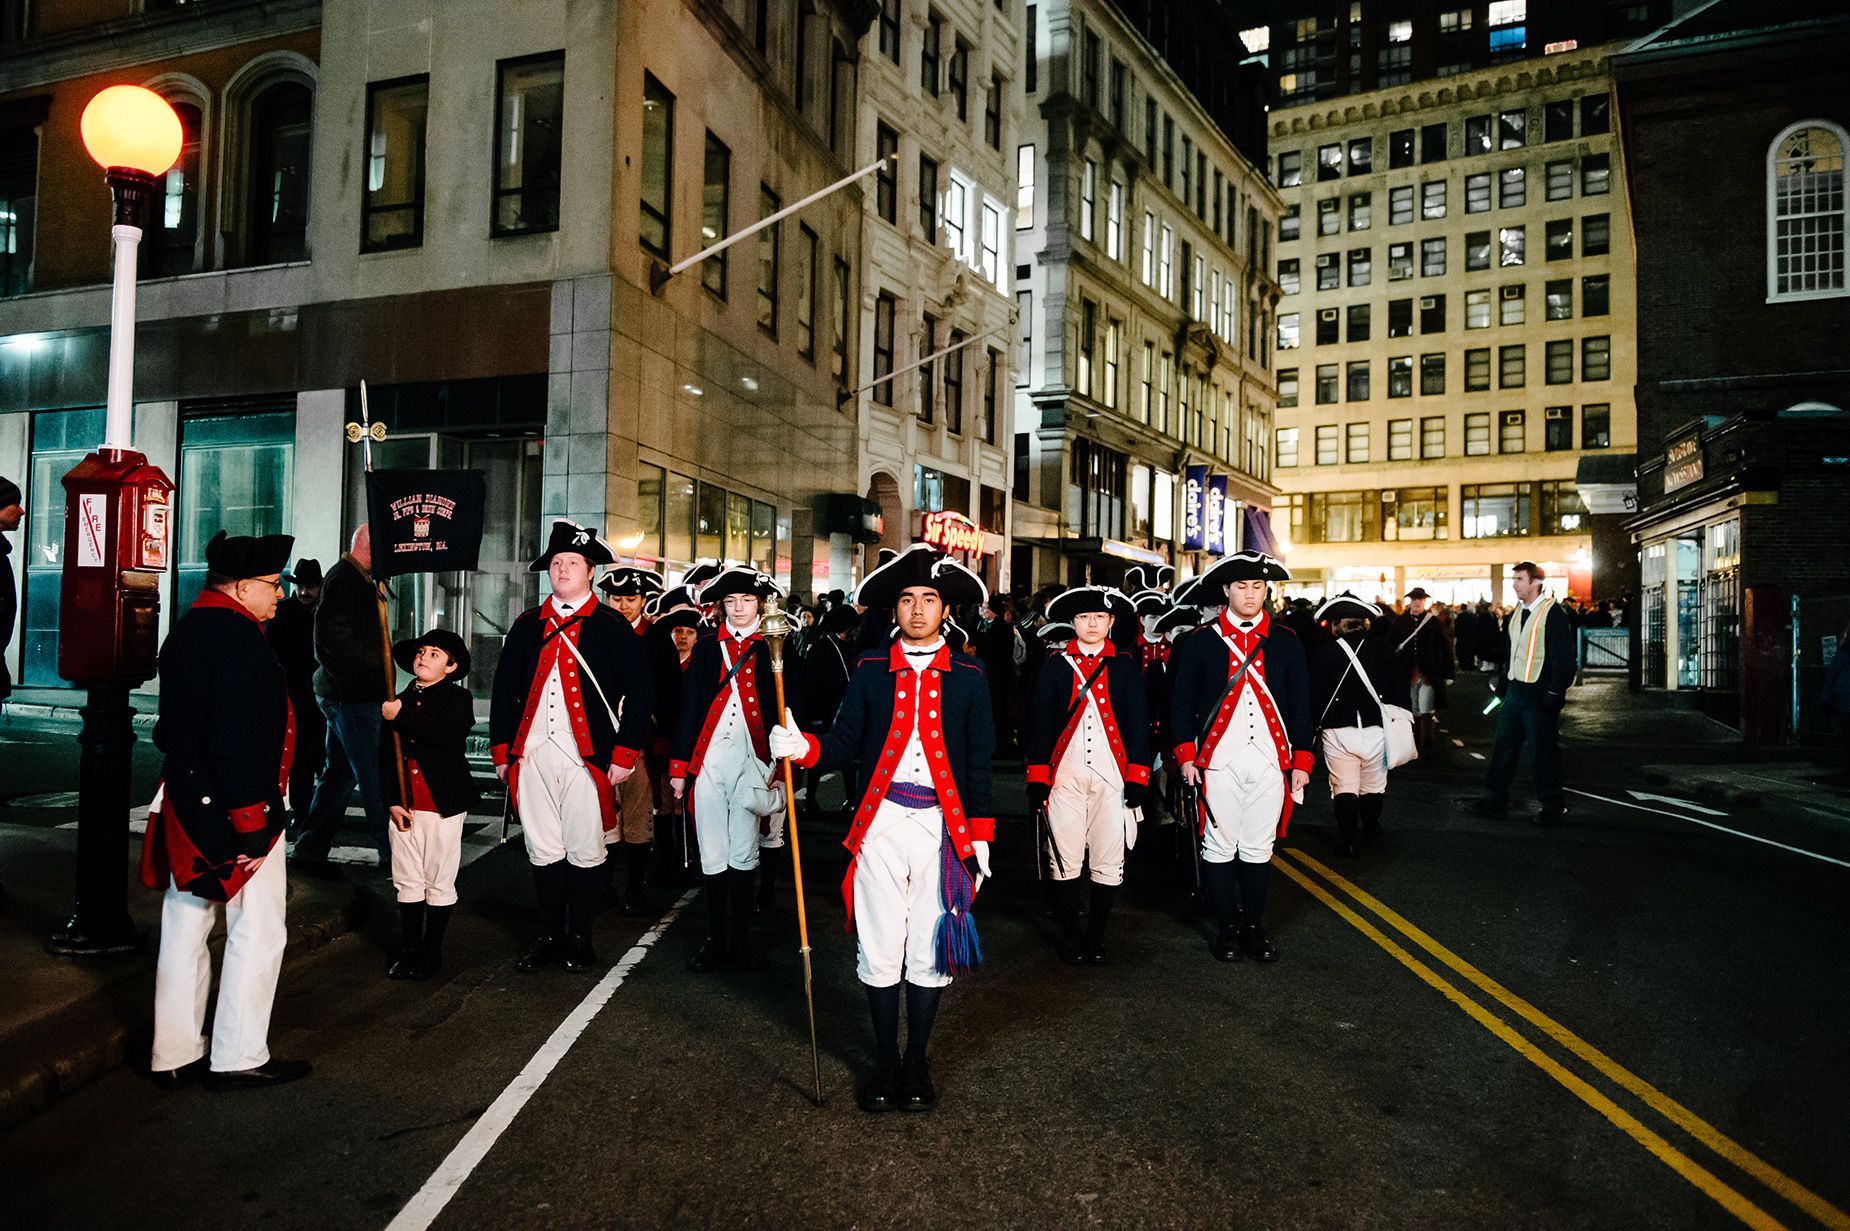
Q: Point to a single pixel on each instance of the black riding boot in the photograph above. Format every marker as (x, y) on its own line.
(881, 1091)
(768, 859)
(1371, 817)
(549, 888)
(584, 894)
(411, 924)
(916, 1092)
(1253, 878)
(1094, 943)
(1223, 891)
(1071, 905)
(739, 919)
(1348, 823)
(436, 923)
(636, 878)
(713, 953)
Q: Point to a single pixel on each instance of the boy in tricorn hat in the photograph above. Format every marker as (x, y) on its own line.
(432, 718)
(629, 590)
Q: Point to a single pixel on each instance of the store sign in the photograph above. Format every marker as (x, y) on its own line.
(1683, 462)
(1194, 507)
(949, 531)
(1217, 515)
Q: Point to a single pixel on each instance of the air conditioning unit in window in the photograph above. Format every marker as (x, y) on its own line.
(1388, 497)
(1513, 292)
(1326, 314)
(1428, 301)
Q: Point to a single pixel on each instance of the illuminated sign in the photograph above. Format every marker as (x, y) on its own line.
(1194, 506)
(1683, 462)
(949, 531)
(1217, 514)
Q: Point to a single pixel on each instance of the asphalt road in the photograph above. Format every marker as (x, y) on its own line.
(1628, 1021)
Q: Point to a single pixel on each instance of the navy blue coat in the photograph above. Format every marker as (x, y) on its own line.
(1052, 700)
(612, 651)
(1199, 671)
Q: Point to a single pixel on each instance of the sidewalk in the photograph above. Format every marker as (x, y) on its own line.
(65, 1022)
(66, 705)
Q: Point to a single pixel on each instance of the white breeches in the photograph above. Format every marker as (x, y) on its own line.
(1245, 791)
(731, 796)
(559, 812)
(898, 897)
(1085, 813)
(255, 934)
(1356, 760)
(425, 858)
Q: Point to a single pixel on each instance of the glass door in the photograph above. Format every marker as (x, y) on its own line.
(60, 439)
(236, 475)
(484, 603)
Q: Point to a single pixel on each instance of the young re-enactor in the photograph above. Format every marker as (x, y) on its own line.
(1240, 722)
(1088, 755)
(1351, 676)
(432, 717)
(228, 738)
(628, 590)
(568, 719)
(916, 727)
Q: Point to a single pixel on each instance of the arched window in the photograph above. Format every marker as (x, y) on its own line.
(278, 193)
(171, 242)
(1806, 212)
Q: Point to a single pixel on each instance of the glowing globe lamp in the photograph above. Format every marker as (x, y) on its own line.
(127, 128)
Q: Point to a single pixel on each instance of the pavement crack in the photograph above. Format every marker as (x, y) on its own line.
(473, 1114)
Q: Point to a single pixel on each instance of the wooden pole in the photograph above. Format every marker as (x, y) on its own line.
(385, 623)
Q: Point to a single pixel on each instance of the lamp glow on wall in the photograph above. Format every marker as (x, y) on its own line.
(135, 136)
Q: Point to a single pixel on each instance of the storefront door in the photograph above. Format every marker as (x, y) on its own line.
(60, 439)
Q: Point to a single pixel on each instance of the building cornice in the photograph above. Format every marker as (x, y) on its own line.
(150, 38)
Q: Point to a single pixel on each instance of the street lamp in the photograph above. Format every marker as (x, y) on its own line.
(115, 541)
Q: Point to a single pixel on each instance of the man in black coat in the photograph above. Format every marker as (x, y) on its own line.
(1533, 678)
(352, 678)
(827, 665)
(292, 637)
(1347, 693)
(214, 832)
(994, 645)
(1426, 662)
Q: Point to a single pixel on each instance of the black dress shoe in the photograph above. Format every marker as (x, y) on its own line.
(272, 1072)
(1551, 815)
(710, 957)
(880, 1092)
(1253, 944)
(916, 1093)
(1226, 946)
(539, 954)
(578, 953)
(1095, 955)
(1072, 953)
(636, 905)
(185, 1075)
(409, 964)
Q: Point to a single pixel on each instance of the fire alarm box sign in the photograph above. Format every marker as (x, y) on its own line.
(92, 527)
(425, 521)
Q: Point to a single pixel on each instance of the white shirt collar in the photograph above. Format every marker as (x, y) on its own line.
(740, 634)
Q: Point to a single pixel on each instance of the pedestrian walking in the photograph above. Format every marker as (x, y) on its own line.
(1425, 662)
(1088, 762)
(1532, 680)
(628, 589)
(720, 762)
(292, 639)
(214, 831)
(1240, 716)
(1351, 676)
(916, 727)
(432, 718)
(351, 680)
(566, 724)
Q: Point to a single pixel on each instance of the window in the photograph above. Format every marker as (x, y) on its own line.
(1114, 221)
(1494, 510)
(1432, 257)
(1355, 448)
(1358, 322)
(1477, 251)
(1287, 331)
(1285, 447)
(1149, 250)
(1595, 115)
(1513, 304)
(1477, 193)
(1088, 198)
(960, 80)
(989, 259)
(928, 202)
(1596, 426)
(1328, 384)
(1596, 358)
(1432, 374)
(1596, 175)
(1511, 243)
(1558, 121)
(1400, 205)
(1150, 131)
(277, 192)
(1477, 369)
(1477, 309)
(807, 246)
(889, 31)
(1288, 279)
(1361, 266)
(1560, 239)
(530, 111)
(990, 371)
(1287, 382)
(1432, 143)
(1342, 517)
(1024, 187)
(1358, 380)
(929, 51)
(715, 212)
(1330, 216)
(1400, 262)
(1559, 295)
(1432, 437)
(1024, 338)
(1361, 211)
(1512, 366)
(1560, 185)
(1326, 444)
(884, 307)
(1114, 338)
(928, 382)
(1032, 55)
(1413, 513)
(1329, 272)
(170, 241)
(954, 388)
(1400, 149)
(1400, 440)
(838, 358)
(1432, 314)
(1595, 235)
(1288, 224)
(657, 165)
(1477, 135)
(1290, 168)
(1477, 436)
(1117, 87)
(1169, 150)
(992, 114)
(886, 179)
(1361, 155)
(1557, 428)
(1400, 376)
(1326, 326)
(1165, 267)
(1512, 188)
(1329, 162)
(1562, 511)
(769, 252)
(392, 207)
(1512, 129)
(1595, 295)
(1559, 360)
(1088, 331)
(1400, 318)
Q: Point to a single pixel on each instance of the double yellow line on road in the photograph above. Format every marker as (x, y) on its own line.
(1294, 863)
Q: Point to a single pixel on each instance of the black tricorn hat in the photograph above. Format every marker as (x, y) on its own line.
(840, 619)
(1150, 602)
(1165, 574)
(669, 599)
(921, 565)
(1242, 566)
(886, 557)
(700, 575)
(306, 573)
(1083, 599)
(1178, 618)
(239, 556)
(1192, 593)
(631, 581)
(955, 638)
(406, 651)
(569, 536)
(678, 616)
(1051, 633)
(1135, 579)
(1346, 606)
(739, 579)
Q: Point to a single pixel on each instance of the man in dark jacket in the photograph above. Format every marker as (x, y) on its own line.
(994, 645)
(1533, 679)
(827, 665)
(1352, 674)
(11, 513)
(1425, 654)
(292, 638)
(351, 679)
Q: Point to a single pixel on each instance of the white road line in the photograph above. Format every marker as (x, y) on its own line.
(1478, 755)
(1459, 742)
(454, 1170)
(1696, 820)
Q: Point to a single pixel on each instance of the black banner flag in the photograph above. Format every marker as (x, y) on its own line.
(425, 521)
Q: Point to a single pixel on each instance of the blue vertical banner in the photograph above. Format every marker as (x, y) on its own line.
(1216, 515)
(1194, 506)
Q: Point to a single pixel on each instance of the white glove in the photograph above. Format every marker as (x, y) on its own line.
(982, 857)
(786, 740)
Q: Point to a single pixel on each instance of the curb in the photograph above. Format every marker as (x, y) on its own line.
(143, 720)
(73, 1048)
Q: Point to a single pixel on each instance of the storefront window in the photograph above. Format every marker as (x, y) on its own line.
(236, 473)
(1494, 510)
(1652, 626)
(1719, 666)
(710, 527)
(60, 439)
(764, 537)
(1413, 513)
(678, 520)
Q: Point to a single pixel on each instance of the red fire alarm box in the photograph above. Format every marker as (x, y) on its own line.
(116, 535)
